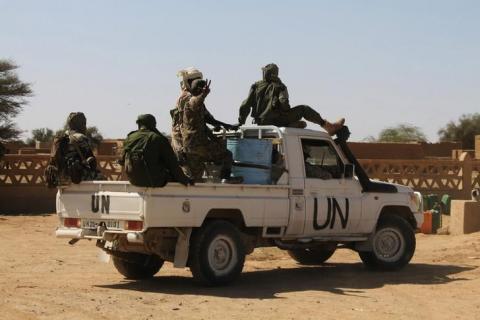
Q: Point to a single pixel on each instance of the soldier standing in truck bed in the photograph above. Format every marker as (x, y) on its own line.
(268, 104)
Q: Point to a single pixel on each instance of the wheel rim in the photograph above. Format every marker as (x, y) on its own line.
(222, 255)
(389, 244)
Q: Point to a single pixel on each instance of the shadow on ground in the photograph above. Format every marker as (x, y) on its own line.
(337, 278)
(5, 215)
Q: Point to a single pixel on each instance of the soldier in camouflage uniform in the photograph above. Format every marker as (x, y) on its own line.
(72, 158)
(269, 105)
(198, 143)
(188, 76)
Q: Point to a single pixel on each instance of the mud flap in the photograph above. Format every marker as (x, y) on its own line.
(181, 248)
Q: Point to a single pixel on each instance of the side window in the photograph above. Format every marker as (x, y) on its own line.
(321, 160)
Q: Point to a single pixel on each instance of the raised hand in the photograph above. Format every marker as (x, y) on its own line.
(206, 88)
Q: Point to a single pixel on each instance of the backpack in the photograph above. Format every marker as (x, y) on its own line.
(135, 164)
(73, 162)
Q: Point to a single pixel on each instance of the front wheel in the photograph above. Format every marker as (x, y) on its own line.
(314, 255)
(217, 253)
(136, 265)
(393, 244)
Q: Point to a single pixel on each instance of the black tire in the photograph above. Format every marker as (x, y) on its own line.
(217, 253)
(393, 244)
(136, 265)
(313, 256)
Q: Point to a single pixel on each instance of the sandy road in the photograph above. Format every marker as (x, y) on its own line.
(42, 277)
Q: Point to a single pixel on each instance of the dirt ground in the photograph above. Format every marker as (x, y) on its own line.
(42, 277)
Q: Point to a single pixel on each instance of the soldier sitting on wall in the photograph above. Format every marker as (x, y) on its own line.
(72, 158)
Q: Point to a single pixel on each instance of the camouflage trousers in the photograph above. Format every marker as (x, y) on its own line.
(211, 151)
(292, 117)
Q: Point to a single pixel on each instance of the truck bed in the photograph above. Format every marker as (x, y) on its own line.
(174, 205)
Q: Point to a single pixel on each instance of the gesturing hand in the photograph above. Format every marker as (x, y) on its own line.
(206, 88)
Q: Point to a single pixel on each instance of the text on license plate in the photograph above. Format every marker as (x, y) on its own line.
(93, 224)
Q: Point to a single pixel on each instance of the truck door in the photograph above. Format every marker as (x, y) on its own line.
(333, 203)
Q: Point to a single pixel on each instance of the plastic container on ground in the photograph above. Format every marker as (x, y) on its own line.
(436, 220)
(254, 152)
(426, 227)
(431, 221)
(430, 201)
(446, 203)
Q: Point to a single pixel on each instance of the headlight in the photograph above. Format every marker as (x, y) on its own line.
(417, 200)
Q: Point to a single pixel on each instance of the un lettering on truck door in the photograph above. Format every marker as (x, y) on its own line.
(333, 209)
(329, 214)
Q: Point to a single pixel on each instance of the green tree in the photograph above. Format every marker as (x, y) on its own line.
(464, 131)
(40, 134)
(94, 135)
(402, 133)
(12, 99)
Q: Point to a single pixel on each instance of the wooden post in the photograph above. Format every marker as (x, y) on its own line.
(466, 175)
(477, 147)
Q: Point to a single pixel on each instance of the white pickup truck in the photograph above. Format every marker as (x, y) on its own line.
(321, 200)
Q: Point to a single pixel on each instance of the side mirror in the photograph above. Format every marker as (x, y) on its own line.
(348, 170)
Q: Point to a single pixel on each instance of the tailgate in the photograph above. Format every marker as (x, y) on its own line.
(112, 210)
(101, 205)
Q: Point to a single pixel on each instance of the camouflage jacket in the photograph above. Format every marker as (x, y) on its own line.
(189, 123)
(177, 131)
(265, 100)
(73, 157)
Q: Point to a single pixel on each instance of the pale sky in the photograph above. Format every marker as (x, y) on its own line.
(376, 63)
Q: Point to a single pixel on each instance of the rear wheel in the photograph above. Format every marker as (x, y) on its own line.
(136, 265)
(393, 244)
(217, 253)
(314, 255)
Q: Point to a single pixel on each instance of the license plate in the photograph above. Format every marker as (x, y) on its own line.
(93, 224)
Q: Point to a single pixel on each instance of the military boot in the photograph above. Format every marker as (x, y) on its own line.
(332, 128)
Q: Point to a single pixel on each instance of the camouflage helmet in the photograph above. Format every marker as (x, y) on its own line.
(187, 76)
(77, 121)
(147, 120)
(270, 72)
